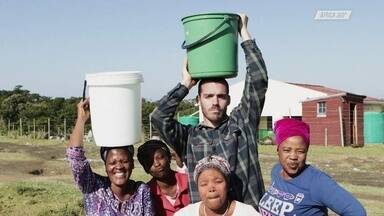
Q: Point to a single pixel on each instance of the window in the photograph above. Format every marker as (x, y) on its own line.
(321, 109)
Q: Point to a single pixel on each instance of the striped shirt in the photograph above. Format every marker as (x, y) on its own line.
(234, 139)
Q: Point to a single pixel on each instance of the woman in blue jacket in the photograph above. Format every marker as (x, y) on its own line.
(298, 188)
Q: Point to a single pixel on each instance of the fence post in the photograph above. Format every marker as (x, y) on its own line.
(34, 128)
(150, 126)
(65, 128)
(326, 137)
(9, 126)
(21, 127)
(49, 128)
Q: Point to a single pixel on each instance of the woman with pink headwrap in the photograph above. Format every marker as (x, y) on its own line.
(298, 188)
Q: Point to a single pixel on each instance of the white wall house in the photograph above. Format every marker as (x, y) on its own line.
(282, 99)
(285, 99)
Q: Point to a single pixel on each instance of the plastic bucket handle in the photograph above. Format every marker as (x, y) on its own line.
(188, 46)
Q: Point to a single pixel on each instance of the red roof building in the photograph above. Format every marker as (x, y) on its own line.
(336, 119)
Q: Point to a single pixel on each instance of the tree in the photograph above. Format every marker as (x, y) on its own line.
(146, 108)
(12, 106)
(187, 107)
(21, 104)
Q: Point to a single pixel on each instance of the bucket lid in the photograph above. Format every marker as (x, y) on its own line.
(114, 78)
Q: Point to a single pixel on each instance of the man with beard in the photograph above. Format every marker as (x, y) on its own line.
(232, 137)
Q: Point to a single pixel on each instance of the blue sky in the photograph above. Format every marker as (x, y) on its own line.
(49, 46)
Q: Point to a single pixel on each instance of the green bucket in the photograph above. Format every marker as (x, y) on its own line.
(211, 43)
(189, 120)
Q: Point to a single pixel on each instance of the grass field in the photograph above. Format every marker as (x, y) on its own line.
(35, 179)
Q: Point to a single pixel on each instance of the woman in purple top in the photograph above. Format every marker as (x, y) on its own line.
(112, 195)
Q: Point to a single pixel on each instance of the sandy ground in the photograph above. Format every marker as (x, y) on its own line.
(20, 162)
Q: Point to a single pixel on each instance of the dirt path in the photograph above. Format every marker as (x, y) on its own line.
(19, 161)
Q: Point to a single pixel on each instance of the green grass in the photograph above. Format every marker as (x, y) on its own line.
(359, 170)
(40, 198)
(371, 197)
(332, 151)
(15, 156)
(24, 140)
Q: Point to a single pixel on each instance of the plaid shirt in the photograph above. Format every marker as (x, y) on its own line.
(235, 139)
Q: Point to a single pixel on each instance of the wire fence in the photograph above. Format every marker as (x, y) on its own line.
(42, 128)
(48, 128)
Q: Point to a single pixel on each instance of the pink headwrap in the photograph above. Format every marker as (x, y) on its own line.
(285, 128)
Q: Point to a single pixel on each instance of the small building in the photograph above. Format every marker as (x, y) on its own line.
(282, 100)
(335, 117)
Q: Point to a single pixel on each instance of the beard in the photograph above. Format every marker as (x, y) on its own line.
(215, 114)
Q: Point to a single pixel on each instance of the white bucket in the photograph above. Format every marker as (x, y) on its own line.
(115, 105)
